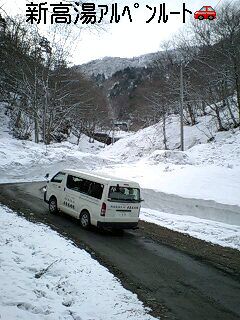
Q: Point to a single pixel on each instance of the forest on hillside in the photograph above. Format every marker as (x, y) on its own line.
(208, 54)
(47, 99)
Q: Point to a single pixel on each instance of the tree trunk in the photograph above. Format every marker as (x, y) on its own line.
(78, 138)
(219, 121)
(17, 122)
(36, 129)
(237, 84)
(164, 132)
(191, 114)
(231, 114)
(49, 129)
(203, 107)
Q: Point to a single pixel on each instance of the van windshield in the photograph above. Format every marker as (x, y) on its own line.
(123, 194)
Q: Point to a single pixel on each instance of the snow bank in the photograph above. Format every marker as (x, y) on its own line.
(44, 276)
(204, 209)
(215, 232)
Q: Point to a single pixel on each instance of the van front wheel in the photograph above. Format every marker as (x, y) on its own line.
(85, 219)
(53, 205)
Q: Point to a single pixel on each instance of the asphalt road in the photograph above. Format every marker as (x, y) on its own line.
(175, 284)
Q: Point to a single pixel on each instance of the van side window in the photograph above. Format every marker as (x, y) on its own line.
(84, 186)
(96, 190)
(58, 177)
(74, 183)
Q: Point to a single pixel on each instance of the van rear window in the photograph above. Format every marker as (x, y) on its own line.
(126, 194)
(90, 188)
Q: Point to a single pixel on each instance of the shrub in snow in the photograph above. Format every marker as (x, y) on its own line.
(169, 156)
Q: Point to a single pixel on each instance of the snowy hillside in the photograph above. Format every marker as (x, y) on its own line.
(25, 160)
(150, 139)
(206, 170)
(203, 144)
(109, 65)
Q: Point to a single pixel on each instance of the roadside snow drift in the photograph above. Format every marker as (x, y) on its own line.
(211, 231)
(44, 276)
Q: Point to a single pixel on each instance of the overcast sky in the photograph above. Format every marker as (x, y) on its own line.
(125, 39)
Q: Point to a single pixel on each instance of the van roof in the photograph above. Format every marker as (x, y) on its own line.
(102, 176)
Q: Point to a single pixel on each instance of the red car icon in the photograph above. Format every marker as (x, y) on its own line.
(206, 12)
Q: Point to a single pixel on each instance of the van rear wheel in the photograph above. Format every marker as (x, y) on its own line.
(85, 219)
(53, 205)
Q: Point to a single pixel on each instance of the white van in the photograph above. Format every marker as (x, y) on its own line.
(98, 200)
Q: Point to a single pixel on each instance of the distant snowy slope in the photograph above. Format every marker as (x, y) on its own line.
(149, 139)
(109, 65)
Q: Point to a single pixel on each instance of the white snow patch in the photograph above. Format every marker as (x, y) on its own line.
(44, 276)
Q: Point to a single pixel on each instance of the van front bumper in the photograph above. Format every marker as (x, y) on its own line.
(117, 225)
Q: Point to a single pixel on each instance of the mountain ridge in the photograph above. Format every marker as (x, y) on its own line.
(107, 66)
